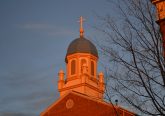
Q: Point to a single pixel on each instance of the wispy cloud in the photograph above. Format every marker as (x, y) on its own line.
(26, 90)
(50, 29)
(16, 114)
(61, 31)
(36, 26)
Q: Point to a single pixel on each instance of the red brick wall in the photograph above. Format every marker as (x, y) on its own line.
(82, 107)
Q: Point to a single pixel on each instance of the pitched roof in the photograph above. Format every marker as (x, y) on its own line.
(77, 104)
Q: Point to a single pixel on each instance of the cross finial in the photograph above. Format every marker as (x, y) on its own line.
(81, 26)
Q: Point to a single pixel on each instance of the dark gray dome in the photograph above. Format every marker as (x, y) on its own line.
(82, 45)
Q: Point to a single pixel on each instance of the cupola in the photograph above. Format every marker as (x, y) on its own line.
(81, 68)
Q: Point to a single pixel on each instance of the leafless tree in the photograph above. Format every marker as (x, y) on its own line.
(133, 49)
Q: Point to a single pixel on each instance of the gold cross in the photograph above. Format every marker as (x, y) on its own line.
(81, 26)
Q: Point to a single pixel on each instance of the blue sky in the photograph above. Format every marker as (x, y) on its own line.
(34, 36)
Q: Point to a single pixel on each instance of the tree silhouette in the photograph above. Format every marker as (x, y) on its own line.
(134, 52)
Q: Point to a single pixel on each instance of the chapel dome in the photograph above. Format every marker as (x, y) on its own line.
(82, 45)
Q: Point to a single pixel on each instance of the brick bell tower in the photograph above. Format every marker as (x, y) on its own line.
(81, 68)
(160, 6)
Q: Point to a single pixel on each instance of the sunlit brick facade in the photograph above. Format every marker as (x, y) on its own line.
(160, 7)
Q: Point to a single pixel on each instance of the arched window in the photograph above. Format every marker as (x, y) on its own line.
(83, 61)
(73, 67)
(92, 68)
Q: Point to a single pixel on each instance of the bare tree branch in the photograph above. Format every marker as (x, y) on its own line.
(134, 44)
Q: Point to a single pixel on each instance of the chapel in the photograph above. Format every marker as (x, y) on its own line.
(82, 88)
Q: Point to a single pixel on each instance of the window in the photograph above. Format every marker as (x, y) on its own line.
(73, 67)
(92, 68)
(83, 61)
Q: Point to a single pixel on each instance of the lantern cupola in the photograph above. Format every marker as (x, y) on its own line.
(81, 68)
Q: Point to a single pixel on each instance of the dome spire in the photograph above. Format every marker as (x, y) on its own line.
(81, 26)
